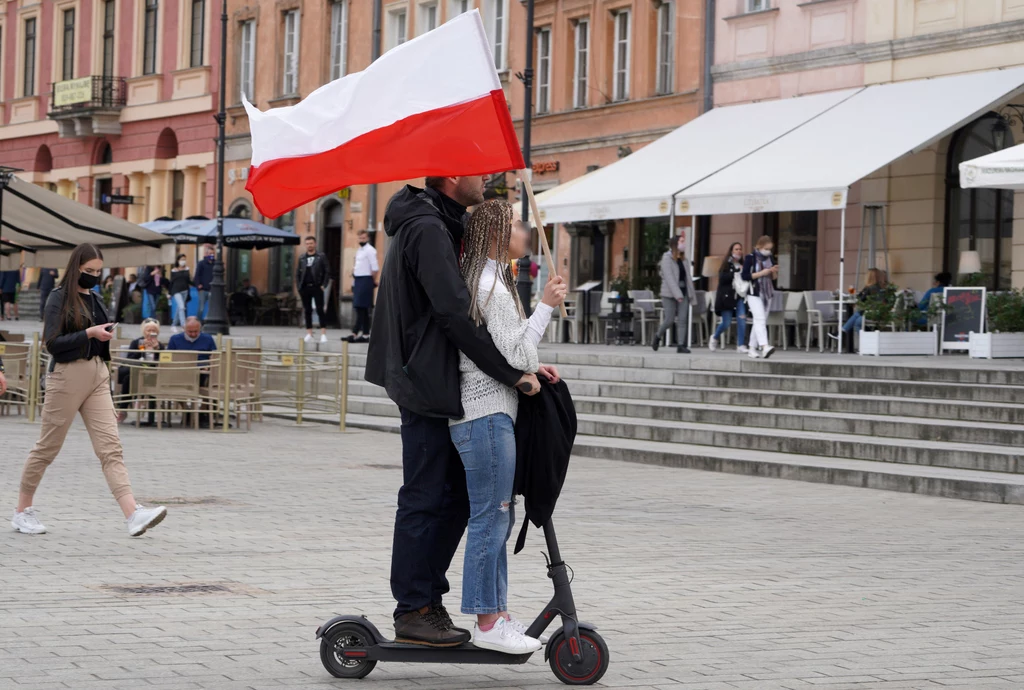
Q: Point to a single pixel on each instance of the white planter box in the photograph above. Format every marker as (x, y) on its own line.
(899, 343)
(989, 345)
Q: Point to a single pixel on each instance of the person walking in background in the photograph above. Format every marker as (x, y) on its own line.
(180, 284)
(874, 283)
(47, 281)
(760, 271)
(364, 281)
(312, 276)
(9, 293)
(203, 278)
(77, 334)
(676, 294)
(728, 304)
(155, 285)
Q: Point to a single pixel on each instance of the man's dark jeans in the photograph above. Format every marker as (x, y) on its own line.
(433, 509)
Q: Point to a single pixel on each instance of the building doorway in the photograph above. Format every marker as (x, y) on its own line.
(795, 235)
(334, 247)
(104, 188)
(979, 220)
(653, 244)
(589, 252)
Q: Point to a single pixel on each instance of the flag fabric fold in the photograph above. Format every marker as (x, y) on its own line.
(430, 107)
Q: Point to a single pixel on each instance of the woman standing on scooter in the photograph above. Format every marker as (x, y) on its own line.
(485, 437)
(77, 334)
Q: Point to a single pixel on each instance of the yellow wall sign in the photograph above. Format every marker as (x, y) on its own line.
(72, 91)
(287, 360)
(3, 349)
(166, 357)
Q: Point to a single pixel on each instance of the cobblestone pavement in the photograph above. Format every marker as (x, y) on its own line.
(697, 580)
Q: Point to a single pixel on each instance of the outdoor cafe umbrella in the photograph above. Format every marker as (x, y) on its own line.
(239, 233)
(1000, 170)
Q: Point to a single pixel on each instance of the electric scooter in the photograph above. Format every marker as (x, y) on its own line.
(351, 646)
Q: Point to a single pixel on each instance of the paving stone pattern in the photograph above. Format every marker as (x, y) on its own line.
(696, 579)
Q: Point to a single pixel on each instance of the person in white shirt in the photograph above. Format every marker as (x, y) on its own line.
(365, 280)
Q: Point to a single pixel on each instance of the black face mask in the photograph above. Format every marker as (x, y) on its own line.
(362, 244)
(88, 282)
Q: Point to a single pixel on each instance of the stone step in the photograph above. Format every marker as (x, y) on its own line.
(965, 484)
(791, 442)
(878, 426)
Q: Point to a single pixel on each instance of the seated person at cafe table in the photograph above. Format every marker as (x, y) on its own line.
(145, 349)
(194, 340)
(874, 284)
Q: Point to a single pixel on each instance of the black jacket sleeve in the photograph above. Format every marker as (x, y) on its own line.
(430, 255)
(325, 270)
(748, 268)
(56, 341)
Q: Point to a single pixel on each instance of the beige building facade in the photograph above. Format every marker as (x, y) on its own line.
(789, 48)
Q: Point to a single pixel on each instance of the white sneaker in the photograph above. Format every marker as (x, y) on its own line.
(712, 344)
(767, 352)
(502, 638)
(742, 349)
(520, 628)
(144, 518)
(753, 354)
(308, 338)
(27, 523)
(323, 338)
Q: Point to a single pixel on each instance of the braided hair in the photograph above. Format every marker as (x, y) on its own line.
(490, 225)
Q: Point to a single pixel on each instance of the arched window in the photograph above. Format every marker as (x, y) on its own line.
(104, 154)
(240, 209)
(979, 220)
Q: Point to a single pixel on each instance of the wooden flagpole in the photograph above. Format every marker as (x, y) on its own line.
(524, 175)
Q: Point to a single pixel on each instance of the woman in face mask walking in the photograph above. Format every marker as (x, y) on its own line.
(180, 284)
(728, 303)
(760, 271)
(76, 334)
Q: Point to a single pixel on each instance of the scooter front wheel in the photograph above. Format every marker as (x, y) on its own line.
(595, 658)
(332, 650)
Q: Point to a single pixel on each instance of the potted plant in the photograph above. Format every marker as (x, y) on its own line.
(1006, 327)
(163, 310)
(132, 314)
(900, 325)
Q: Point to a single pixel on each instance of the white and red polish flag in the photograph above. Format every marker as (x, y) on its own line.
(433, 106)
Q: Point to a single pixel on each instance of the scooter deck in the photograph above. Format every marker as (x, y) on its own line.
(417, 653)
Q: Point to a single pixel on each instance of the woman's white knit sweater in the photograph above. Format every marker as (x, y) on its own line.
(515, 337)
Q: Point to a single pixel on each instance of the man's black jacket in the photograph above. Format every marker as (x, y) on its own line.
(422, 321)
(321, 271)
(545, 433)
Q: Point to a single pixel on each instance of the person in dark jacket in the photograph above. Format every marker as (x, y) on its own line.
(155, 285)
(311, 277)
(77, 335)
(422, 322)
(9, 293)
(727, 303)
(47, 280)
(203, 278)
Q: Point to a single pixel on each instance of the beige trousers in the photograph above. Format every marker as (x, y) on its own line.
(83, 387)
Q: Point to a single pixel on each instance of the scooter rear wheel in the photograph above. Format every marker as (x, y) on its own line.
(595, 658)
(345, 636)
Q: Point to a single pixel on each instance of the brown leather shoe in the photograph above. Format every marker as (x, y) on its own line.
(426, 627)
(442, 613)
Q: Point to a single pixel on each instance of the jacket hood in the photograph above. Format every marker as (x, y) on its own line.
(412, 202)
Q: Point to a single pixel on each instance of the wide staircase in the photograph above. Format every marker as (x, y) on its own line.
(943, 430)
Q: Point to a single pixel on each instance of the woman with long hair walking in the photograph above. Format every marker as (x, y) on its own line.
(728, 303)
(77, 335)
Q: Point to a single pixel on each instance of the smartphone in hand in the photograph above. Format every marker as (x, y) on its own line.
(111, 327)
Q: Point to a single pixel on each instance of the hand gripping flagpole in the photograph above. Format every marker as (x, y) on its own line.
(524, 175)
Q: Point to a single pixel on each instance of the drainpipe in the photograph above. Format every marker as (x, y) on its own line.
(704, 222)
(371, 204)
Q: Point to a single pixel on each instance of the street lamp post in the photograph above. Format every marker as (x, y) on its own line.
(218, 318)
(524, 283)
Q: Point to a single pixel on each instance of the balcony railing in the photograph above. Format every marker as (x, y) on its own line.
(87, 94)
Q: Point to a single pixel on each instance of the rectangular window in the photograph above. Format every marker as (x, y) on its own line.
(543, 71)
(149, 39)
(666, 47)
(757, 5)
(29, 57)
(459, 7)
(67, 68)
(620, 67)
(497, 28)
(290, 82)
(397, 28)
(198, 27)
(581, 64)
(247, 58)
(108, 37)
(339, 38)
(428, 18)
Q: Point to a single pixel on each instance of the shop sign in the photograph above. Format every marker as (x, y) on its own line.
(545, 167)
(72, 91)
(117, 199)
(345, 193)
(238, 174)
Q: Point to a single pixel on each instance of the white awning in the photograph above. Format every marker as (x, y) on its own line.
(1000, 170)
(642, 184)
(47, 226)
(812, 167)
